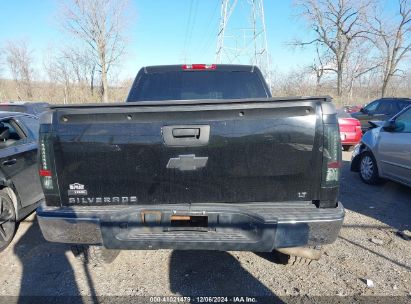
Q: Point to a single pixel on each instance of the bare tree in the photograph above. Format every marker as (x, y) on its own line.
(1, 74)
(321, 65)
(100, 24)
(82, 65)
(59, 73)
(19, 61)
(1, 62)
(393, 40)
(336, 25)
(360, 62)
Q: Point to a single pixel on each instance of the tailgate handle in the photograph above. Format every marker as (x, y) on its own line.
(186, 135)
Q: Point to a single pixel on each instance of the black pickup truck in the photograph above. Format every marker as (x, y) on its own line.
(199, 157)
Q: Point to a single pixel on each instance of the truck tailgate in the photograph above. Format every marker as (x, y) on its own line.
(209, 152)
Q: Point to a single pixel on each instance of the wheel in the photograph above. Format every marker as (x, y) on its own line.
(347, 148)
(368, 169)
(7, 220)
(94, 255)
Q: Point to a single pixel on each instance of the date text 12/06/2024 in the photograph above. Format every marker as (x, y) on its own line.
(177, 299)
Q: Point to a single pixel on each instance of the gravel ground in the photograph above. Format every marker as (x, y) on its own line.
(367, 248)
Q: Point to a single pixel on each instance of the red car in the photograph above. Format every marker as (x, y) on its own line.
(350, 130)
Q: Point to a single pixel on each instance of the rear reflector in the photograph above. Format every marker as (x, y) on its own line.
(44, 172)
(199, 67)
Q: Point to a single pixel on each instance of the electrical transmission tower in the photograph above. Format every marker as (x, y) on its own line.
(243, 40)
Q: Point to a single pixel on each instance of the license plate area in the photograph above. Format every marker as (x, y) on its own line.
(188, 222)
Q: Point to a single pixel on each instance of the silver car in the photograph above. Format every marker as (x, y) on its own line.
(385, 151)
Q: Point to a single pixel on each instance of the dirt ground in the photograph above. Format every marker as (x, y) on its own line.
(368, 248)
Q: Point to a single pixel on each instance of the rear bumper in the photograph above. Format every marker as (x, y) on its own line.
(250, 227)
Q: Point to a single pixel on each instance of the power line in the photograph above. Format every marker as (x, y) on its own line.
(191, 21)
(190, 34)
(247, 44)
(187, 30)
(208, 33)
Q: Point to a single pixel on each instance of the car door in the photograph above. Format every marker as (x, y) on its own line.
(394, 150)
(18, 160)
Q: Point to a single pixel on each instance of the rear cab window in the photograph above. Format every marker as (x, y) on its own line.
(192, 85)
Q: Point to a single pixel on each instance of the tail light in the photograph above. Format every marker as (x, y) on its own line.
(331, 155)
(331, 167)
(199, 67)
(46, 163)
(45, 171)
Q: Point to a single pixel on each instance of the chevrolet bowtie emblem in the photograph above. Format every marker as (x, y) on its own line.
(187, 162)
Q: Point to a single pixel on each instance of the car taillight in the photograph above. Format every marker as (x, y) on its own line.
(199, 67)
(45, 172)
(331, 155)
(46, 161)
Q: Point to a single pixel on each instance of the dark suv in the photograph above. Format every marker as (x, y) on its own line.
(380, 109)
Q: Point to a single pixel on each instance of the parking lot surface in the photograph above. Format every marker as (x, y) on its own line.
(368, 248)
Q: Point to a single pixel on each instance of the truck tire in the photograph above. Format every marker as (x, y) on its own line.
(94, 255)
(368, 169)
(8, 223)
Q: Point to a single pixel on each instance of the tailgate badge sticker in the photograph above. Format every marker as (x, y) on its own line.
(302, 194)
(77, 189)
(187, 162)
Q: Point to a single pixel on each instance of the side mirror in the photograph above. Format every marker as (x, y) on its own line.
(363, 110)
(389, 126)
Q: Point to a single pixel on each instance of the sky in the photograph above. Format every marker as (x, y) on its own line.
(162, 32)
